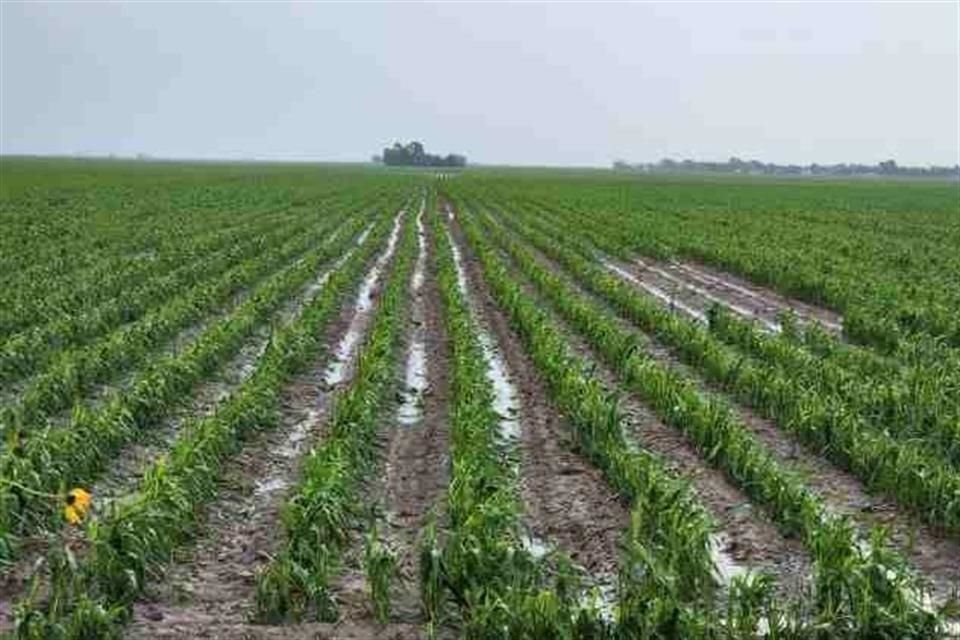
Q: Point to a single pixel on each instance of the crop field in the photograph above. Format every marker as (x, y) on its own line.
(304, 401)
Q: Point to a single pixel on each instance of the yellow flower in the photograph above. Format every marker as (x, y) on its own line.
(78, 503)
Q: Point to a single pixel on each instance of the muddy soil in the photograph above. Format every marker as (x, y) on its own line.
(933, 554)
(417, 469)
(746, 539)
(127, 468)
(566, 500)
(692, 290)
(754, 296)
(413, 477)
(208, 394)
(344, 630)
(213, 583)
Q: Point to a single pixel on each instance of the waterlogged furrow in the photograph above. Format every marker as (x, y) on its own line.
(701, 297)
(138, 534)
(241, 530)
(416, 469)
(410, 411)
(568, 508)
(77, 452)
(486, 565)
(506, 402)
(76, 371)
(728, 291)
(323, 507)
(658, 293)
(338, 370)
(26, 353)
(730, 445)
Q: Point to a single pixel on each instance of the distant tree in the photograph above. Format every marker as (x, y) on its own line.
(888, 166)
(413, 154)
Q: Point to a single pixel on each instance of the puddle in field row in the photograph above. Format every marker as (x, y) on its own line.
(602, 594)
(363, 236)
(293, 444)
(422, 252)
(656, 292)
(725, 568)
(348, 344)
(749, 314)
(411, 403)
(293, 307)
(534, 546)
(291, 448)
(505, 397)
(411, 398)
(709, 279)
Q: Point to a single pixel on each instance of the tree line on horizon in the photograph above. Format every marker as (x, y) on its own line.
(413, 154)
(755, 167)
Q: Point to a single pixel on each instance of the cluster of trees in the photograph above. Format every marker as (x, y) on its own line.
(755, 167)
(414, 155)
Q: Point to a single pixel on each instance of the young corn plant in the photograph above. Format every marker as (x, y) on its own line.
(850, 583)
(76, 453)
(323, 508)
(137, 536)
(500, 589)
(380, 564)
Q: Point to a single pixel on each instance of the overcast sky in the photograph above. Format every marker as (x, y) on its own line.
(518, 84)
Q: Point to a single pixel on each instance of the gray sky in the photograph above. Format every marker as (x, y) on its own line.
(521, 84)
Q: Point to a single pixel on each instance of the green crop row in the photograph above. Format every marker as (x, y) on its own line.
(919, 482)
(74, 454)
(323, 510)
(856, 585)
(74, 372)
(483, 566)
(25, 352)
(139, 532)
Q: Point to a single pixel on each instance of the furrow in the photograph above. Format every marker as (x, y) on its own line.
(567, 503)
(214, 583)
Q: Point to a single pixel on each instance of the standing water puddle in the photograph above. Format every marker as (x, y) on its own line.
(214, 392)
(411, 398)
(725, 567)
(749, 314)
(293, 444)
(290, 449)
(599, 593)
(348, 344)
(712, 280)
(505, 397)
(656, 292)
